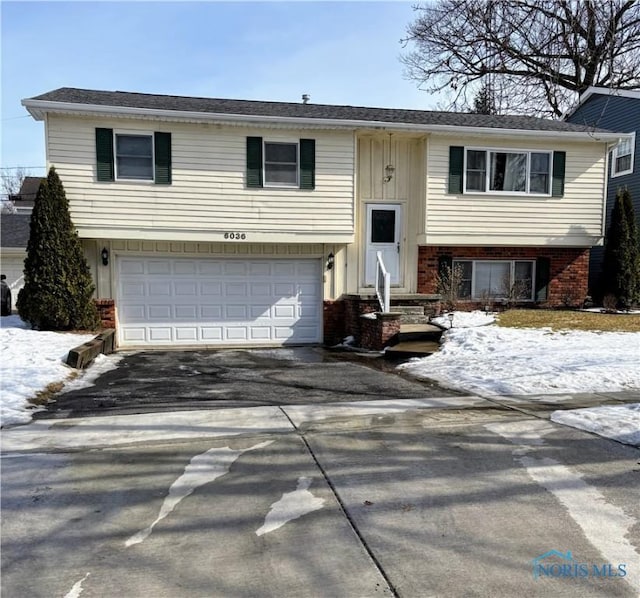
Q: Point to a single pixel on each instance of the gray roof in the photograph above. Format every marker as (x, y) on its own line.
(28, 191)
(14, 230)
(122, 99)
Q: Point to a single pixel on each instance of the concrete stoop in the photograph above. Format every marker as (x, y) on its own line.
(415, 340)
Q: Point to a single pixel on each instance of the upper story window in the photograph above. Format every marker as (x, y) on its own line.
(622, 157)
(502, 171)
(280, 164)
(506, 172)
(134, 157)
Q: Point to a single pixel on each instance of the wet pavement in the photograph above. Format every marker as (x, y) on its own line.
(149, 381)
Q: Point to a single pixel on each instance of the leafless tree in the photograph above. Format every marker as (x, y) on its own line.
(11, 180)
(537, 56)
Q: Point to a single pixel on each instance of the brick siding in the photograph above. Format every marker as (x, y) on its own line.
(106, 312)
(569, 268)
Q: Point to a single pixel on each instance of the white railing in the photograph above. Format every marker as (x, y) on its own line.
(383, 284)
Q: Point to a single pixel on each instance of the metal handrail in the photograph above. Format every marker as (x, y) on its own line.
(383, 284)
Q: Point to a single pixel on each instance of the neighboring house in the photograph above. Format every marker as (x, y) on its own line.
(228, 222)
(25, 198)
(14, 235)
(618, 110)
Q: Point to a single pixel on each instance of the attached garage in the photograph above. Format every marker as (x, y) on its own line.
(218, 301)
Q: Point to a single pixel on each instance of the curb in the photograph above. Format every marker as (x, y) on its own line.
(83, 355)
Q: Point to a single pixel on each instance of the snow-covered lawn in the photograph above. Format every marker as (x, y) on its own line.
(482, 358)
(31, 360)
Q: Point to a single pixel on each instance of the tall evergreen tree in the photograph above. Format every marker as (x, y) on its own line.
(621, 268)
(57, 292)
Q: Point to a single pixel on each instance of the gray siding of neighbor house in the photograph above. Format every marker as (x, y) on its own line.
(618, 114)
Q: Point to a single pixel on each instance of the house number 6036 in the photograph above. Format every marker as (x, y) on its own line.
(235, 236)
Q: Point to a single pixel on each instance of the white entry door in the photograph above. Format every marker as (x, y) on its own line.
(384, 226)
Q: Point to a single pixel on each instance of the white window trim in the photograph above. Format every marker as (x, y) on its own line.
(508, 150)
(295, 185)
(512, 268)
(614, 156)
(115, 156)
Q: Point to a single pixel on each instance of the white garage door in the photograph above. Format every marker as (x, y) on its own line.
(182, 301)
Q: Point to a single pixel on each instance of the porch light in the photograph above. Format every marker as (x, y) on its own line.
(389, 169)
(330, 261)
(105, 256)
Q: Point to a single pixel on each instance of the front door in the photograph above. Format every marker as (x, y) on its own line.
(384, 226)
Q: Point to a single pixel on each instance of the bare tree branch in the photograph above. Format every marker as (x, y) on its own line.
(537, 56)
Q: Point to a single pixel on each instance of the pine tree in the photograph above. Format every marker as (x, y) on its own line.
(621, 268)
(57, 292)
(484, 101)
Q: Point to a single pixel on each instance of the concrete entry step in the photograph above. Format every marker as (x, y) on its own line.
(417, 310)
(418, 348)
(420, 332)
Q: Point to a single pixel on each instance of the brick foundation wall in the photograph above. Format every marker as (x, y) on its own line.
(333, 314)
(106, 312)
(569, 268)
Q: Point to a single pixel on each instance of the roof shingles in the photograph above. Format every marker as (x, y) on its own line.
(121, 99)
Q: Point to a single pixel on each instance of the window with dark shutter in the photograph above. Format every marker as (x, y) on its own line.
(254, 161)
(162, 158)
(456, 166)
(307, 164)
(104, 155)
(557, 185)
(543, 276)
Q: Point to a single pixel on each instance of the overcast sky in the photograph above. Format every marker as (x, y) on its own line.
(338, 52)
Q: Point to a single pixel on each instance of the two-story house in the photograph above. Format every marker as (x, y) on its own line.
(618, 110)
(227, 222)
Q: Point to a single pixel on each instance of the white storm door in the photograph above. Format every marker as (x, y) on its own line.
(384, 226)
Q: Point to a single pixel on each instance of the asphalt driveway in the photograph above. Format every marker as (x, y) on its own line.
(181, 380)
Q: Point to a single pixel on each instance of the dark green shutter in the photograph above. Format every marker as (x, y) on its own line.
(254, 161)
(307, 164)
(104, 154)
(445, 265)
(456, 166)
(162, 156)
(543, 276)
(557, 184)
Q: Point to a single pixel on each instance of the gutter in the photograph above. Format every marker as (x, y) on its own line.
(39, 108)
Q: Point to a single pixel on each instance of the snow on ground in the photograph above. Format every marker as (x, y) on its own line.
(619, 422)
(465, 319)
(489, 360)
(31, 360)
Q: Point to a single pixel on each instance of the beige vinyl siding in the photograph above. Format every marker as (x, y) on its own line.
(472, 219)
(406, 153)
(208, 196)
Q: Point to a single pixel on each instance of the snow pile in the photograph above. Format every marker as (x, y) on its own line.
(465, 319)
(31, 360)
(618, 422)
(490, 360)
